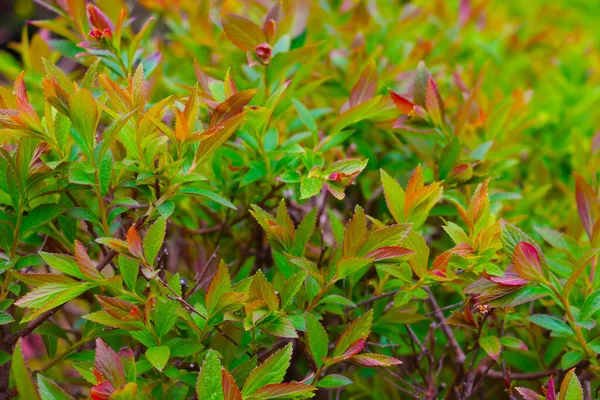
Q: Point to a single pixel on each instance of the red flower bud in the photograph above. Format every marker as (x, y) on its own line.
(264, 52)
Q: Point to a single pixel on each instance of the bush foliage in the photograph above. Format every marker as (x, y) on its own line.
(333, 199)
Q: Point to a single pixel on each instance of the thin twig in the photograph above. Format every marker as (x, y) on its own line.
(460, 355)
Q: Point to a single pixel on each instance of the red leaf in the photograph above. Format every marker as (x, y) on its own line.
(364, 89)
(244, 33)
(102, 391)
(230, 389)
(135, 243)
(510, 278)
(528, 394)
(98, 19)
(351, 351)
(404, 105)
(383, 253)
(527, 262)
(587, 204)
(551, 391)
(283, 390)
(231, 107)
(109, 364)
(86, 266)
(375, 360)
(434, 103)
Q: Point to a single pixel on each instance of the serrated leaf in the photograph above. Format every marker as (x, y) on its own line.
(108, 363)
(284, 391)
(375, 360)
(271, 371)
(491, 345)
(230, 389)
(219, 285)
(21, 374)
(63, 263)
(261, 289)
(40, 216)
(210, 385)
(358, 329)
(50, 390)
(154, 239)
(570, 388)
(318, 341)
(334, 381)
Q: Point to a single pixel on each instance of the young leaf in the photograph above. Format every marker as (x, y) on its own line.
(527, 262)
(375, 360)
(219, 285)
(284, 391)
(587, 204)
(244, 33)
(230, 389)
(83, 112)
(358, 329)
(108, 363)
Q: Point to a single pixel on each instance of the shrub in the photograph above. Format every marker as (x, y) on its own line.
(258, 200)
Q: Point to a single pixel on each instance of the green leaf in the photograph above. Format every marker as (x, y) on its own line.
(515, 343)
(394, 196)
(210, 384)
(63, 263)
(165, 316)
(334, 381)
(318, 341)
(22, 377)
(491, 345)
(129, 270)
(310, 187)
(269, 372)
(590, 306)
(83, 112)
(41, 215)
(305, 116)
(551, 323)
(570, 388)
(158, 356)
(4, 357)
(291, 287)
(570, 359)
(105, 172)
(209, 195)
(304, 233)
(5, 318)
(50, 390)
(348, 265)
(154, 239)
